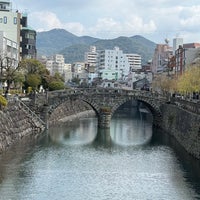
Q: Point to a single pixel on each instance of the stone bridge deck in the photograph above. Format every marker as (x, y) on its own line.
(106, 101)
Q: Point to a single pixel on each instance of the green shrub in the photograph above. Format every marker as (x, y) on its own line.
(56, 85)
(3, 101)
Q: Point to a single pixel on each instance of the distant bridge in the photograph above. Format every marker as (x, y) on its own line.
(106, 101)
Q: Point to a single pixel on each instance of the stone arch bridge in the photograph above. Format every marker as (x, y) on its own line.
(105, 102)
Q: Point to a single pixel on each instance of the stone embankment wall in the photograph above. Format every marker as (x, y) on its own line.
(69, 111)
(184, 126)
(15, 124)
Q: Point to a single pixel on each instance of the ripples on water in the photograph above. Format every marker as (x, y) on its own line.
(79, 162)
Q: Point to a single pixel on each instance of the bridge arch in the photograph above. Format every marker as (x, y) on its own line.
(105, 103)
(154, 109)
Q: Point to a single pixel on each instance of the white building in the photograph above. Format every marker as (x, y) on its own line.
(91, 61)
(79, 71)
(134, 61)
(114, 64)
(10, 30)
(49, 65)
(67, 72)
(176, 43)
(9, 49)
(91, 57)
(56, 64)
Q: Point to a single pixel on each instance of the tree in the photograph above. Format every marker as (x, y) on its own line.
(58, 77)
(161, 83)
(189, 82)
(76, 80)
(32, 66)
(35, 73)
(33, 80)
(18, 80)
(9, 68)
(56, 85)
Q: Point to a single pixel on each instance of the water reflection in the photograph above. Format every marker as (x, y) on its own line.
(121, 132)
(75, 133)
(78, 161)
(138, 132)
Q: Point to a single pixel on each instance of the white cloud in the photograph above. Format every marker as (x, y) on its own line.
(191, 20)
(48, 20)
(112, 28)
(75, 28)
(45, 20)
(103, 27)
(108, 19)
(137, 24)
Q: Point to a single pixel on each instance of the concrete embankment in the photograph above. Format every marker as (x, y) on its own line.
(184, 126)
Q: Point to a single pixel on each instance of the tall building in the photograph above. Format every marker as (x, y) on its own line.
(19, 36)
(184, 56)
(161, 57)
(134, 61)
(114, 64)
(176, 43)
(58, 64)
(91, 57)
(10, 31)
(28, 43)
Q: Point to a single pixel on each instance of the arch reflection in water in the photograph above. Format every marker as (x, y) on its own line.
(125, 130)
(74, 133)
(126, 133)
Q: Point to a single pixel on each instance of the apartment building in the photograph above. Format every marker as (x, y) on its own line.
(56, 64)
(91, 57)
(19, 39)
(10, 27)
(177, 42)
(28, 40)
(161, 57)
(114, 64)
(184, 56)
(79, 71)
(8, 49)
(134, 61)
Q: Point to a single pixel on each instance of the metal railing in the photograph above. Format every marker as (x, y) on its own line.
(29, 111)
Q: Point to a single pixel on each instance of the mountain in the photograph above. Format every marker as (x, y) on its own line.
(53, 41)
(74, 47)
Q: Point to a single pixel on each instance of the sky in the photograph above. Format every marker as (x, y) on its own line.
(155, 20)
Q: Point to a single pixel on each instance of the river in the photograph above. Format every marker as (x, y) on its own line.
(77, 161)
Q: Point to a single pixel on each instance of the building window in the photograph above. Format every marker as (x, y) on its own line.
(15, 20)
(1, 20)
(30, 36)
(5, 20)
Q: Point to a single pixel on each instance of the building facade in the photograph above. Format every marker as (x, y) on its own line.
(10, 26)
(161, 57)
(114, 64)
(176, 43)
(28, 42)
(15, 29)
(91, 57)
(9, 49)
